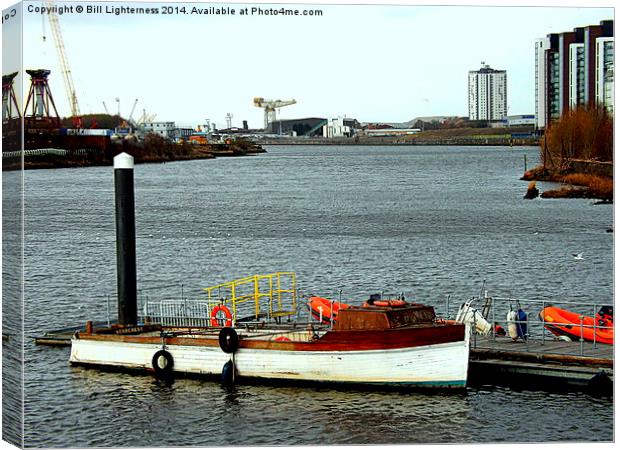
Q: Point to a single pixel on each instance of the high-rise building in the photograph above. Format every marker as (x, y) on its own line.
(604, 84)
(573, 68)
(487, 94)
(576, 76)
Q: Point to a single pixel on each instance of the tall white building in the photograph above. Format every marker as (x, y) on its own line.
(576, 75)
(487, 94)
(540, 75)
(604, 87)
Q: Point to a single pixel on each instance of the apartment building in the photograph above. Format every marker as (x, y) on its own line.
(487, 94)
(574, 68)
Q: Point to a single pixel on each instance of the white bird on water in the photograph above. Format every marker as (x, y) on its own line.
(578, 256)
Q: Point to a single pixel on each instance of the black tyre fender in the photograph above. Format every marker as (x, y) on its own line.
(228, 373)
(162, 362)
(229, 340)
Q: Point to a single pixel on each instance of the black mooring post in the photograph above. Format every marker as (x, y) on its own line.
(125, 240)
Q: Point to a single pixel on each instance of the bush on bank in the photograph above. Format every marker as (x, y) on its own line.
(582, 133)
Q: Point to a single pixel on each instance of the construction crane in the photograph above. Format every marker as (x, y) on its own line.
(64, 63)
(270, 107)
(130, 119)
(145, 118)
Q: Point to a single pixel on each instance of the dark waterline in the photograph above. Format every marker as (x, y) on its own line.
(427, 221)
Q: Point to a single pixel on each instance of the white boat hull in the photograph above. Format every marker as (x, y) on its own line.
(437, 365)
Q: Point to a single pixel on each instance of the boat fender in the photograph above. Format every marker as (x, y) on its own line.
(228, 372)
(522, 327)
(511, 317)
(601, 383)
(229, 340)
(217, 319)
(162, 363)
(468, 315)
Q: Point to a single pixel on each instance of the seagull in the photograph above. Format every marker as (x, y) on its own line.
(578, 256)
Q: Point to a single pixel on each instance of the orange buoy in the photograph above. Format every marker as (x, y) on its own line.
(221, 316)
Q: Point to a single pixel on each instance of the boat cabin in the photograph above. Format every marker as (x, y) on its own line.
(381, 318)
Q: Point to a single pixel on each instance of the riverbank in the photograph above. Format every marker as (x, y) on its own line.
(149, 152)
(576, 184)
(514, 136)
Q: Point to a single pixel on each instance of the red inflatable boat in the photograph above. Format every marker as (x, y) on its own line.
(568, 323)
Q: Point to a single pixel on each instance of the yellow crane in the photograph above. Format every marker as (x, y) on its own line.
(270, 107)
(64, 63)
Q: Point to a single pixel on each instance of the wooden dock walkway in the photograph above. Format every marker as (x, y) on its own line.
(62, 337)
(555, 363)
(540, 347)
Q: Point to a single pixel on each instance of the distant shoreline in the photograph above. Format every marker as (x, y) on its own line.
(401, 142)
(104, 158)
(516, 136)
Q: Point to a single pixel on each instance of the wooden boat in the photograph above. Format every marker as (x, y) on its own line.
(244, 329)
(562, 322)
(372, 345)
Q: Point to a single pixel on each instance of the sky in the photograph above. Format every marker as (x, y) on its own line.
(374, 63)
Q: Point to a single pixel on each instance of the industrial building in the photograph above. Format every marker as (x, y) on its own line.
(487, 94)
(164, 129)
(309, 126)
(574, 68)
(521, 120)
(340, 127)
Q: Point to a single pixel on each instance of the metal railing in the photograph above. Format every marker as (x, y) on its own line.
(272, 295)
(178, 313)
(47, 151)
(537, 331)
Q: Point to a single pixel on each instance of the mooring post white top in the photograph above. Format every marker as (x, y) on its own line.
(123, 161)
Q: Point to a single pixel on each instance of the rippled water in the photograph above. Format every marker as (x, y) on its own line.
(427, 221)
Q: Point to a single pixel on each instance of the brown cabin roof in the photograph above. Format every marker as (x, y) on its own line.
(381, 318)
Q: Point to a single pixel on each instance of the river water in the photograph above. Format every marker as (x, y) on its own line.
(426, 221)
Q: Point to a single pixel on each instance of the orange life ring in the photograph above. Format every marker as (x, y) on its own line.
(217, 319)
(389, 303)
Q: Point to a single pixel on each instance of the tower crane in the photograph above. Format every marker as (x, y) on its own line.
(64, 63)
(270, 107)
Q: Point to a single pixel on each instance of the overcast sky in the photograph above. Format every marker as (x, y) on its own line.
(369, 62)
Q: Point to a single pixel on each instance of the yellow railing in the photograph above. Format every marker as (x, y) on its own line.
(272, 295)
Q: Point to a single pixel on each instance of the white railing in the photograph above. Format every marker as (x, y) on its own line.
(177, 313)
